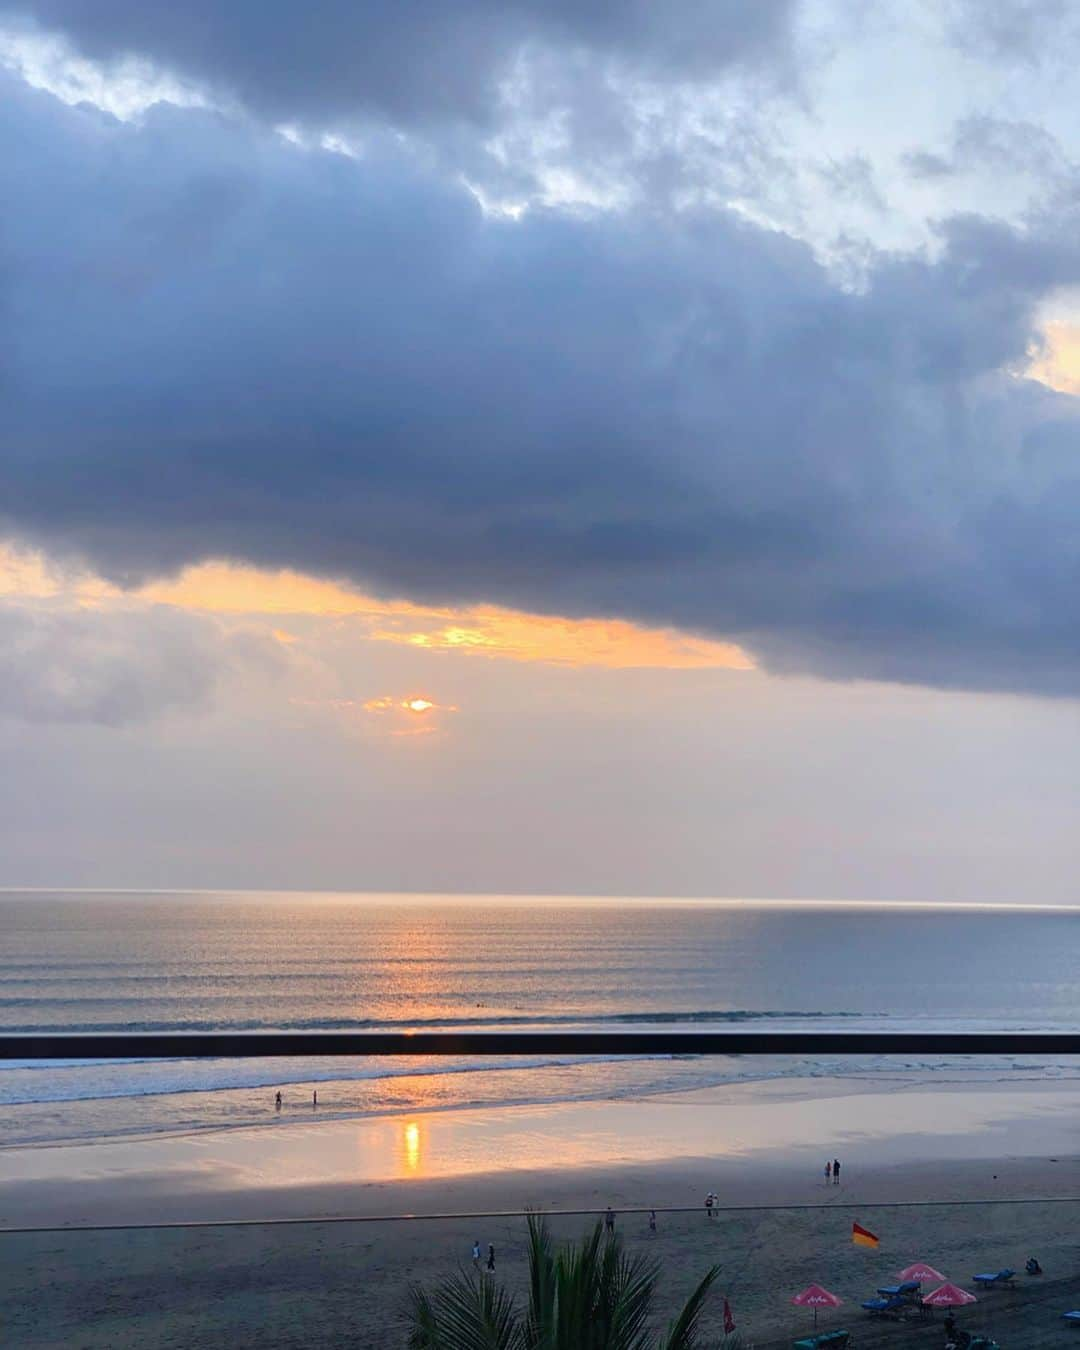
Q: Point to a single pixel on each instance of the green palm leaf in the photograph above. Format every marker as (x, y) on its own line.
(587, 1296)
(543, 1289)
(466, 1312)
(683, 1332)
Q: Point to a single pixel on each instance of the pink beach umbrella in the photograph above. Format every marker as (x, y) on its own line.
(815, 1297)
(949, 1296)
(921, 1271)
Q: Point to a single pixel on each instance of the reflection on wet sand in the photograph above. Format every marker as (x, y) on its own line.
(411, 1135)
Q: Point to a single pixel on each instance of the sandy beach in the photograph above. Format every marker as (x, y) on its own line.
(908, 1151)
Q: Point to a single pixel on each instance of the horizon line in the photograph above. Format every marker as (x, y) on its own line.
(553, 898)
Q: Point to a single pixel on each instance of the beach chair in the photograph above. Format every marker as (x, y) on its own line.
(908, 1290)
(989, 1281)
(825, 1340)
(892, 1305)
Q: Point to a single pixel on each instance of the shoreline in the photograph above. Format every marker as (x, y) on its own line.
(778, 1086)
(757, 1143)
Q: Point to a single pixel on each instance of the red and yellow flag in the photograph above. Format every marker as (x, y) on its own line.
(862, 1237)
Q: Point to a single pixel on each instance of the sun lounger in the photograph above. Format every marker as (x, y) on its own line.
(892, 1306)
(825, 1340)
(909, 1289)
(988, 1281)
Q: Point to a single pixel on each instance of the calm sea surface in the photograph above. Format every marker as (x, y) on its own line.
(297, 962)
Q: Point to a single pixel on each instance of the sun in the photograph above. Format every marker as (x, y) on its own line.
(418, 705)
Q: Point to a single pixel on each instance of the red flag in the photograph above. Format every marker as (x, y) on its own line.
(729, 1321)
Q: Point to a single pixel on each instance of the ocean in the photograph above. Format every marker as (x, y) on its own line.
(85, 962)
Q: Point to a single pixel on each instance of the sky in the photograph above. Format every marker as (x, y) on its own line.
(541, 447)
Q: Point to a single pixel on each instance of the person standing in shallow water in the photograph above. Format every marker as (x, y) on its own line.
(652, 1222)
(491, 1257)
(609, 1220)
(828, 1172)
(836, 1171)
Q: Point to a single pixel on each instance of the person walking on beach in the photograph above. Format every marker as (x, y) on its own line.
(314, 1098)
(491, 1257)
(609, 1220)
(828, 1172)
(476, 1255)
(652, 1222)
(836, 1171)
(709, 1204)
(277, 1102)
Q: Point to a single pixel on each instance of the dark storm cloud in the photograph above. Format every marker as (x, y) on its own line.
(217, 344)
(408, 62)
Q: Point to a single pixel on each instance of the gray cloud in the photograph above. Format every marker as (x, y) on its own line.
(1011, 30)
(115, 666)
(220, 345)
(407, 62)
(997, 146)
(853, 178)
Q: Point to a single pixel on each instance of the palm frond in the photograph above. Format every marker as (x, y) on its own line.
(683, 1332)
(576, 1284)
(587, 1295)
(425, 1325)
(540, 1327)
(630, 1284)
(466, 1312)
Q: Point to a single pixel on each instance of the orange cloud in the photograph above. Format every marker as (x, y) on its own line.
(480, 631)
(27, 575)
(485, 630)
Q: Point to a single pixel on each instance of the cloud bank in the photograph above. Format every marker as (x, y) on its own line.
(412, 64)
(220, 345)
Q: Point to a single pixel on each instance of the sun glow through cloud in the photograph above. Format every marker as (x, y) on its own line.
(480, 630)
(489, 631)
(1057, 362)
(387, 704)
